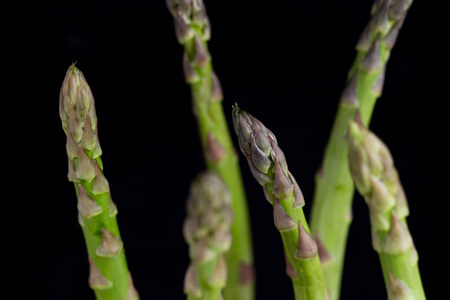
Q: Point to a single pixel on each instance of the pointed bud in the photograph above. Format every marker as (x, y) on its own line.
(307, 246)
(80, 110)
(381, 198)
(364, 40)
(389, 39)
(71, 146)
(289, 269)
(298, 200)
(132, 293)
(97, 150)
(202, 253)
(262, 178)
(216, 94)
(190, 75)
(183, 31)
(413, 256)
(398, 290)
(262, 141)
(100, 184)
(218, 277)
(267, 195)
(322, 251)
(88, 138)
(85, 166)
(191, 286)
(401, 207)
(87, 207)
(348, 96)
(171, 7)
(201, 56)
(396, 10)
(282, 186)
(371, 62)
(96, 279)
(244, 127)
(62, 113)
(282, 220)
(72, 174)
(214, 151)
(398, 239)
(206, 36)
(278, 155)
(110, 246)
(378, 221)
(259, 159)
(112, 208)
(73, 125)
(377, 87)
(380, 21)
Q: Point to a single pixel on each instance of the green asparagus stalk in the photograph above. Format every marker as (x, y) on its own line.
(268, 165)
(109, 276)
(376, 178)
(207, 231)
(192, 29)
(331, 211)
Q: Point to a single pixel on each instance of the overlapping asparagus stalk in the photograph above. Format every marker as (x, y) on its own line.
(207, 231)
(376, 178)
(109, 276)
(331, 210)
(268, 165)
(192, 29)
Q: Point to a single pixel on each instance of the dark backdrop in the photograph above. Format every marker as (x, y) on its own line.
(283, 61)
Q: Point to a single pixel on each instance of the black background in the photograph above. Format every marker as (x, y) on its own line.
(283, 61)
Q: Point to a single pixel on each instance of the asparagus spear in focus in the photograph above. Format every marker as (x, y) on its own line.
(268, 165)
(109, 276)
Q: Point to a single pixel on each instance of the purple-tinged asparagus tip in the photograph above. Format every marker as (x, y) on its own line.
(87, 207)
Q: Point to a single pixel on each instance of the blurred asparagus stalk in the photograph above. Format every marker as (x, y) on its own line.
(109, 276)
(207, 231)
(193, 30)
(268, 165)
(376, 178)
(331, 211)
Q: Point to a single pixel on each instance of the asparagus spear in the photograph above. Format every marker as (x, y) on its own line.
(109, 276)
(207, 231)
(268, 165)
(376, 178)
(192, 29)
(331, 211)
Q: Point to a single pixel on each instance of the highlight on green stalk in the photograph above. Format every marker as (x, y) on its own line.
(206, 229)
(193, 30)
(269, 167)
(109, 276)
(331, 212)
(376, 178)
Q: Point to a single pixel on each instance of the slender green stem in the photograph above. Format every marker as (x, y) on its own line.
(193, 31)
(331, 211)
(109, 276)
(268, 165)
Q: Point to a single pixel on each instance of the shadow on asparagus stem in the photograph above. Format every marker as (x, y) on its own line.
(109, 276)
(268, 165)
(207, 231)
(377, 180)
